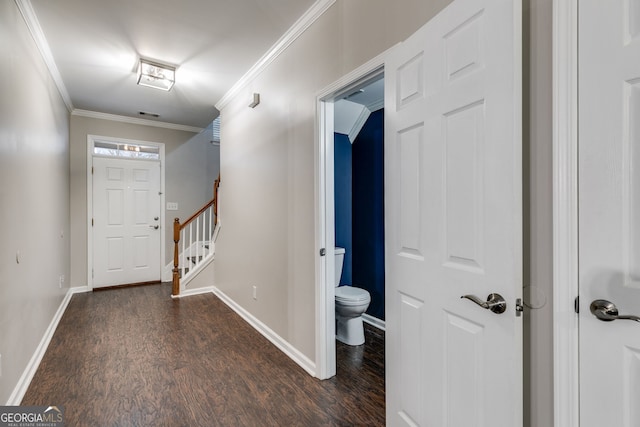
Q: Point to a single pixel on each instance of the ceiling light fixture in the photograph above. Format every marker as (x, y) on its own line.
(156, 75)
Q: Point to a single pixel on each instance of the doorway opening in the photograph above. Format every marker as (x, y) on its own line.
(349, 107)
(359, 193)
(125, 196)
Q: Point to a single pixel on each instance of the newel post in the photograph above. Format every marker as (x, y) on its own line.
(176, 275)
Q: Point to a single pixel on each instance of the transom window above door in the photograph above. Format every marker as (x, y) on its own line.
(127, 150)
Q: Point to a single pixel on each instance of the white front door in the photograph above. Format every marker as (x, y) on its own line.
(126, 221)
(454, 210)
(609, 210)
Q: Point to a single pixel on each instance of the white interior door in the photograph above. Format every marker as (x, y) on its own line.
(453, 211)
(609, 209)
(126, 221)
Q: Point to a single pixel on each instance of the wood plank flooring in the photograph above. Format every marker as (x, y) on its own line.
(135, 357)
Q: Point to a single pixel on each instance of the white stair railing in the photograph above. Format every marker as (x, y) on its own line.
(196, 236)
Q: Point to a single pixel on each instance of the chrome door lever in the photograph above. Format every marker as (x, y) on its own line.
(494, 302)
(607, 311)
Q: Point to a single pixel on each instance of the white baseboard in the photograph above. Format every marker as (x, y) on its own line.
(196, 291)
(23, 383)
(294, 354)
(374, 321)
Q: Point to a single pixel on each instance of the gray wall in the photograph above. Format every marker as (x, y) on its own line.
(268, 164)
(192, 164)
(34, 197)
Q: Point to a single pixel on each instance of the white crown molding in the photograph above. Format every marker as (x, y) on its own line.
(134, 120)
(30, 18)
(301, 25)
(375, 106)
(358, 124)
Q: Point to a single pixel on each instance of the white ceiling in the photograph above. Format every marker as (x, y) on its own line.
(96, 44)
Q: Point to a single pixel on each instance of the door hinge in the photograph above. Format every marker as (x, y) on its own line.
(323, 252)
(576, 304)
(92, 222)
(519, 307)
(91, 170)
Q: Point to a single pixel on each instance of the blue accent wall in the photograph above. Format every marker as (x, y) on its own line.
(368, 212)
(359, 209)
(343, 202)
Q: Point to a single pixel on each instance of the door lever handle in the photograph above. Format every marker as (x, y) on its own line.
(494, 302)
(607, 311)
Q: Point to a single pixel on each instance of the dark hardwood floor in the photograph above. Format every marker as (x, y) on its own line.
(135, 357)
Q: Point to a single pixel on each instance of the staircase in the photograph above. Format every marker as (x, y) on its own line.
(194, 242)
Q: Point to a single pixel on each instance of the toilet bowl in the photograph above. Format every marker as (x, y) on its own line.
(350, 303)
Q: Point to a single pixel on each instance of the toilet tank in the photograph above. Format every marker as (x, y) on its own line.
(339, 252)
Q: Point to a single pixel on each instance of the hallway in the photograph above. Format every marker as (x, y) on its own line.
(134, 356)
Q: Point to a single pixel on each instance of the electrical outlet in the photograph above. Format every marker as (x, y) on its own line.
(255, 292)
(61, 281)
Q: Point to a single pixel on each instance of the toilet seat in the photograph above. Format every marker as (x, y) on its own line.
(349, 295)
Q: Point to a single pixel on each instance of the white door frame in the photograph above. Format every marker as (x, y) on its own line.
(565, 213)
(324, 217)
(91, 139)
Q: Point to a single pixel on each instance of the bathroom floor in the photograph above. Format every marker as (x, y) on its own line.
(364, 361)
(134, 356)
(361, 369)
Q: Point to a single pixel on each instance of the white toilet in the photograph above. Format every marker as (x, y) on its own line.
(351, 302)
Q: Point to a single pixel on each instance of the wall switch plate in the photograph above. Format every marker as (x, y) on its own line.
(255, 292)
(61, 281)
(172, 206)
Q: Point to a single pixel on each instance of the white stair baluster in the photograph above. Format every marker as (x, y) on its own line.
(210, 231)
(190, 247)
(183, 260)
(197, 242)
